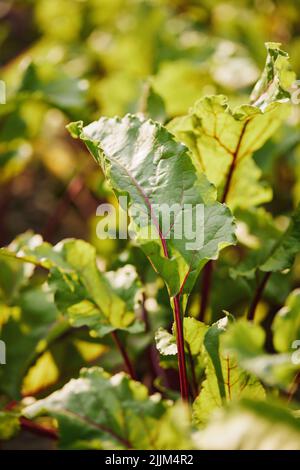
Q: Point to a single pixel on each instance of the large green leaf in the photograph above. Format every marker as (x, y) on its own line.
(103, 302)
(246, 340)
(225, 381)
(141, 159)
(222, 140)
(251, 425)
(99, 411)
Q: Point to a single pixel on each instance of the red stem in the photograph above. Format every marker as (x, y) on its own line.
(32, 426)
(184, 389)
(180, 345)
(124, 354)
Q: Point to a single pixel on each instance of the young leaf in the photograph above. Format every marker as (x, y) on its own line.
(212, 345)
(225, 380)
(222, 140)
(276, 79)
(105, 412)
(141, 159)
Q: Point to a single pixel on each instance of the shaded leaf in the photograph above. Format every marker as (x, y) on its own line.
(111, 413)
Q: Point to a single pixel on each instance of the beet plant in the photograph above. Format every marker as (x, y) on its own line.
(229, 367)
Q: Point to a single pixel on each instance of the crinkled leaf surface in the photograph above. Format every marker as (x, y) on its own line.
(105, 412)
(165, 342)
(142, 160)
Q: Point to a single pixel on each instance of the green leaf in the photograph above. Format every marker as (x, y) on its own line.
(152, 105)
(9, 424)
(105, 412)
(283, 253)
(276, 79)
(274, 251)
(251, 425)
(58, 88)
(141, 159)
(212, 344)
(286, 324)
(225, 381)
(246, 340)
(222, 140)
(194, 332)
(13, 274)
(103, 302)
